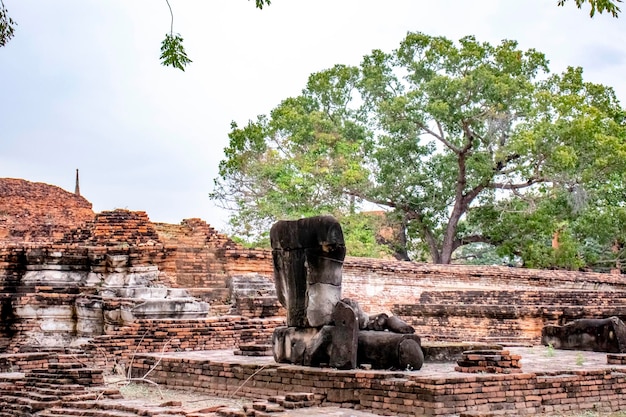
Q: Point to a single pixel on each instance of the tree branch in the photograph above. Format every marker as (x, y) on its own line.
(497, 169)
(518, 186)
(470, 239)
(172, 21)
(440, 137)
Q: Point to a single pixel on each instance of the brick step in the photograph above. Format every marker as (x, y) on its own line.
(9, 388)
(59, 383)
(87, 396)
(497, 413)
(293, 400)
(52, 366)
(254, 349)
(58, 391)
(37, 396)
(67, 411)
(231, 412)
(35, 404)
(15, 408)
(48, 379)
(76, 372)
(83, 380)
(135, 409)
(83, 359)
(24, 403)
(264, 406)
(48, 413)
(15, 413)
(168, 414)
(10, 377)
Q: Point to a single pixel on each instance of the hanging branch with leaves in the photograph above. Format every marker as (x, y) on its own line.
(7, 25)
(172, 51)
(261, 3)
(600, 6)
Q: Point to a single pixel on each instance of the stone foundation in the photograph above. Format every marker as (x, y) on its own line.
(422, 393)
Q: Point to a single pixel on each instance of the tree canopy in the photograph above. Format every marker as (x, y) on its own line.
(462, 142)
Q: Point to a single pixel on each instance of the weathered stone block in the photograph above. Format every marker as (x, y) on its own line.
(308, 256)
(385, 350)
(344, 337)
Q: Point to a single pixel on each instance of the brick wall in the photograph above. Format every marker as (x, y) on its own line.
(121, 343)
(198, 259)
(504, 315)
(22, 362)
(419, 293)
(249, 261)
(379, 284)
(397, 393)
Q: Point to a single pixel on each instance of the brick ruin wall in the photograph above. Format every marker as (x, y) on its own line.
(442, 301)
(457, 303)
(482, 303)
(33, 212)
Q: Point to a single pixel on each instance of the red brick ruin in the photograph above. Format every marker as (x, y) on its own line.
(84, 294)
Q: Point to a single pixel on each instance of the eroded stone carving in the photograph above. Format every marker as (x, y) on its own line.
(308, 256)
(322, 328)
(599, 335)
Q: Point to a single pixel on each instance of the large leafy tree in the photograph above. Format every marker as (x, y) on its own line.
(463, 142)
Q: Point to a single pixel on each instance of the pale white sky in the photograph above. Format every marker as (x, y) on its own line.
(81, 85)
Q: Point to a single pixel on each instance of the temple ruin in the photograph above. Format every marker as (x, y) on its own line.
(86, 294)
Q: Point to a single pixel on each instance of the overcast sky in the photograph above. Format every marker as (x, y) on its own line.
(81, 85)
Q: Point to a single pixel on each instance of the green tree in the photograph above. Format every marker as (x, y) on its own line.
(454, 139)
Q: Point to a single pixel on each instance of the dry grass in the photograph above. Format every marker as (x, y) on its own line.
(190, 400)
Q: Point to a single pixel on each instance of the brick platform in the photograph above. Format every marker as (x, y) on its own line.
(545, 385)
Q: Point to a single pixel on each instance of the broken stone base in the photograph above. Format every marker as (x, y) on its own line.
(490, 361)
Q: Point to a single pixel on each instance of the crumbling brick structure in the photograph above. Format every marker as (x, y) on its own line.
(68, 275)
(45, 231)
(35, 212)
